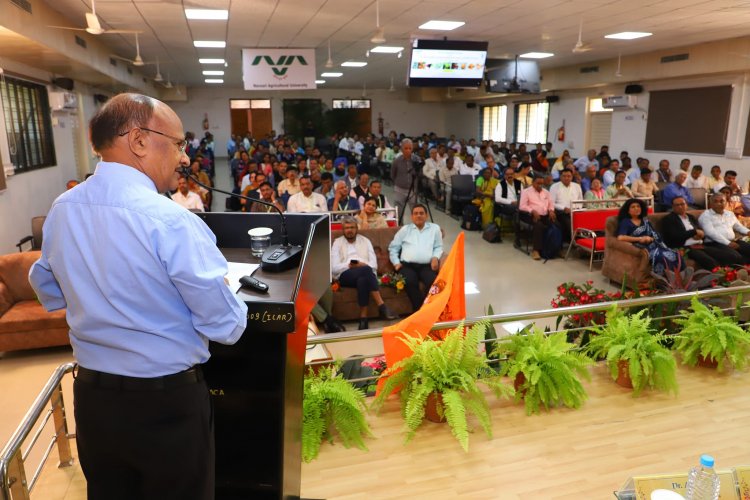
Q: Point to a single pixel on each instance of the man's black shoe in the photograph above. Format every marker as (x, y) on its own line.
(363, 324)
(331, 325)
(386, 313)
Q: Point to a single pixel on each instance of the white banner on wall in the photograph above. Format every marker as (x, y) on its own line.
(278, 69)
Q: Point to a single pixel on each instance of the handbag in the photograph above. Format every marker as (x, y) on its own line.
(491, 233)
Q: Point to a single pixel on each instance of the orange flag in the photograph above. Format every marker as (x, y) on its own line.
(445, 302)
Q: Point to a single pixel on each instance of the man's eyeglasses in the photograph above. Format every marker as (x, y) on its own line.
(180, 143)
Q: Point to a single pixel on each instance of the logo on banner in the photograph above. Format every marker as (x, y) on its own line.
(280, 66)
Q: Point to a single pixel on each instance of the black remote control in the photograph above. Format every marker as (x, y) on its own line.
(254, 284)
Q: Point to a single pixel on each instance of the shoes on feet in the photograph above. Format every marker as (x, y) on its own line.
(331, 325)
(363, 324)
(535, 255)
(386, 313)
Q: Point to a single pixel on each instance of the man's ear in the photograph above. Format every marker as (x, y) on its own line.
(138, 142)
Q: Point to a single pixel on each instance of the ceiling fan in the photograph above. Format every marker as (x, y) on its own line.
(138, 61)
(93, 26)
(580, 46)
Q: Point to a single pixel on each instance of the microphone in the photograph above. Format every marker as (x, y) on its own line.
(276, 258)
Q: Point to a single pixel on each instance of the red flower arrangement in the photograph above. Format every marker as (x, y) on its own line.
(727, 274)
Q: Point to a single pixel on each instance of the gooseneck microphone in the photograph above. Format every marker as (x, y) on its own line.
(276, 258)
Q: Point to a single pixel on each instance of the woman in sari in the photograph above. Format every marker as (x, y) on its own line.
(369, 218)
(596, 192)
(486, 195)
(633, 227)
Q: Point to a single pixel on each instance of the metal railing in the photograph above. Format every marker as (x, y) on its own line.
(13, 479)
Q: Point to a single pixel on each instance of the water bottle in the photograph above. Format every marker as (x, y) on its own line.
(703, 483)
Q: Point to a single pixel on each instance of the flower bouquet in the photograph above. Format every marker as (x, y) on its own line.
(393, 280)
(572, 294)
(378, 366)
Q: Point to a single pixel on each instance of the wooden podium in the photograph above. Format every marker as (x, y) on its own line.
(257, 383)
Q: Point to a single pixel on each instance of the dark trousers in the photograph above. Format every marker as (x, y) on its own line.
(415, 274)
(537, 232)
(563, 220)
(145, 444)
(710, 257)
(727, 256)
(361, 278)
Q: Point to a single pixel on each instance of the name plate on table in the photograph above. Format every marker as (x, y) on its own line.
(743, 481)
(644, 485)
(270, 317)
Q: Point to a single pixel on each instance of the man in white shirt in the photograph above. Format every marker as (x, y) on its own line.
(306, 201)
(696, 179)
(186, 198)
(445, 175)
(584, 161)
(432, 166)
(469, 167)
(564, 193)
(344, 145)
(609, 176)
(719, 227)
(472, 149)
(353, 264)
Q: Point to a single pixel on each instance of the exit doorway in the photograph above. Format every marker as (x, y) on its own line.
(251, 115)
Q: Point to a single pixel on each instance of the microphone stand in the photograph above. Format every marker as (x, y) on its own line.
(276, 258)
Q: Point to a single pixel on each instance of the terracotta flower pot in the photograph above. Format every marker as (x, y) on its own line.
(430, 410)
(623, 374)
(707, 362)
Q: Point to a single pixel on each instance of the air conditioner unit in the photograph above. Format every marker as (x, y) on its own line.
(619, 102)
(63, 101)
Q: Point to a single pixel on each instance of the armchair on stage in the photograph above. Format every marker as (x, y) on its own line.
(257, 383)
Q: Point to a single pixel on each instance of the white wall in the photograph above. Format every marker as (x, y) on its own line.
(31, 193)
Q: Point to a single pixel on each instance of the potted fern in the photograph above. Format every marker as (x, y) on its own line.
(446, 372)
(546, 368)
(711, 338)
(634, 352)
(331, 403)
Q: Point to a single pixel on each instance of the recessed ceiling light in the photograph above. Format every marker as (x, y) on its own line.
(211, 61)
(211, 44)
(628, 35)
(320, 82)
(441, 25)
(536, 55)
(385, 49)
(213, 73)
(214, 80)
(354, 64)
(206, 14)
(331, 75)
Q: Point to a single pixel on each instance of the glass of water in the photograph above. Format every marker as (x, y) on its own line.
(260, 240)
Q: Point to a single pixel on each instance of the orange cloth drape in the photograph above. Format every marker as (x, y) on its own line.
(445, 302)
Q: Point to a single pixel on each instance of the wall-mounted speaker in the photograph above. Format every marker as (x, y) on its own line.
(63, 83)
(552, 98)
(471, 105)
(633, 89)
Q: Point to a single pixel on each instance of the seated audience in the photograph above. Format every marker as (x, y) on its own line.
(376, 188)
(268, 195)
(619, 190)
(633, 227)
(290, 185)
(596, 192)
(369, 217)
(697, 180)
(559, 164)
(675, 189)
(202, 192)
(485, 193)
(715, 178)
(415, 253)
(353, 263)
(522, 174)
(734, 205)
(608, 178)
(470, 167)
(430, 170)
(326, 186)
(730, 179)
(685, 165)
(352, 178)
(583, 162)
(564, 193)
(682, 230)
(188, 199)
(664, 174)
(507, 193)
(719, 226)
(341, 200)
(306, 201)
(644, 187)
(201, 175)
(536, 208)
(362, 189)
(588, 176)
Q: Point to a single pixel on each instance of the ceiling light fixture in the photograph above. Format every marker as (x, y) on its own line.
(214, 80)
(329, 62)
(207, 14)
(441, 25)
(213, 73)
(211, 61)
(379, 36)
(210, 44)
(354, 64)
(386, 49)
(628, 35)
(319, 82)
(331, 75)
(536, 55)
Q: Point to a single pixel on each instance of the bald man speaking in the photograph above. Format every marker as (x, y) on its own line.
(143, 283)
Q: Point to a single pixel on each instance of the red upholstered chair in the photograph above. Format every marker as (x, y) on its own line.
(587, 228)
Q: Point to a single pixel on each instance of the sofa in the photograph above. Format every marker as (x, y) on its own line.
(345, 307)
(24, 324)
(623, 262)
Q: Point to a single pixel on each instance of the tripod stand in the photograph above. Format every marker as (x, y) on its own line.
(415, 189)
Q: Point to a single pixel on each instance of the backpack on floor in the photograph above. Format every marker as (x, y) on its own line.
(471, 219)
(491, 233)
(552, 243)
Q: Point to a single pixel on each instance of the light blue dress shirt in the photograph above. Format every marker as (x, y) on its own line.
(141, 277)
(415, 246)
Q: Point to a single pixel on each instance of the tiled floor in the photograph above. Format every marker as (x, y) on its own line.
(505, 277)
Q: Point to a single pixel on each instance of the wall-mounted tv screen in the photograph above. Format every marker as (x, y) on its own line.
(447, 63)
(508, 76)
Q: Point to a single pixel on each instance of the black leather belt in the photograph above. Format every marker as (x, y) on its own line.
(122, 382)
